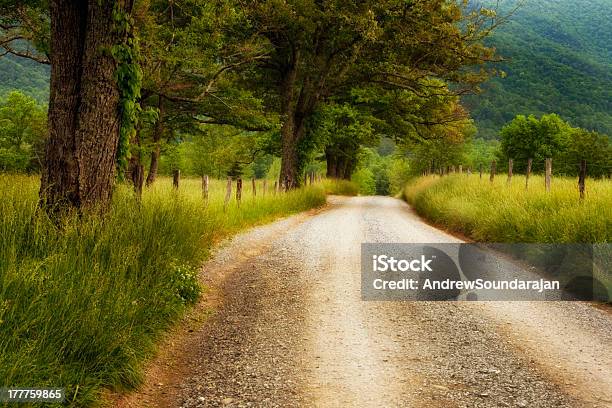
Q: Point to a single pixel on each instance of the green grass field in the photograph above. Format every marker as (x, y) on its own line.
(497, 212)
(81, 306)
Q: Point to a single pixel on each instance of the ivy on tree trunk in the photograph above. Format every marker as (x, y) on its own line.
(85, 118)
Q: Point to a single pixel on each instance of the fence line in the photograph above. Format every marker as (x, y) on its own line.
(548, 172)
(309, 179)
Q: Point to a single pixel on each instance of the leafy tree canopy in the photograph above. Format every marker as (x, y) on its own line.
(23, 128)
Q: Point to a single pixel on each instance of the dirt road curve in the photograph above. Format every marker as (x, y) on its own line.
(290, 329)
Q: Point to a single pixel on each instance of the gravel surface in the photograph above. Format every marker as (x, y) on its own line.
(289, 328)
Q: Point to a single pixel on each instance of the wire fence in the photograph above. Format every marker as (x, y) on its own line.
(257, 185)
(582, 165)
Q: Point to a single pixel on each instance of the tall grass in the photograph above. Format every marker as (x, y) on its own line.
(340, 187)
(82, 305)
(497, 212)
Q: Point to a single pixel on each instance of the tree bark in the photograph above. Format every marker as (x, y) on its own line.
(295, 110)
(332, 164)
(157, 137)
(341, 166)
(351, 163)
(84, 119)
(289, 160)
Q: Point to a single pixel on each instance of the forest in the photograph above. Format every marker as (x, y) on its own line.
(532, 44)
(137, 135)
(557, 59)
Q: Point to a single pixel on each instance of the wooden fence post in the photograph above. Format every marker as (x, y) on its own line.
(205, 188)
(228, 193)
(176, 178)
(481, 171)
(510, 166)
(276, 187)
(264, 187)
(548, 173)
(239, 191)
(529, 163)
(254, 187)
(582, 178)
(493, 168)
(282, 185)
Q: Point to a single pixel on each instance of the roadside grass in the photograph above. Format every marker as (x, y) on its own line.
(81, 306)
(497, 212)
(340, 187)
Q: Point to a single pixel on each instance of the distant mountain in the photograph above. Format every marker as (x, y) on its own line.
(559, 59)
(28, 76)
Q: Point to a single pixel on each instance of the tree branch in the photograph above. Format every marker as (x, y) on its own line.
(26, 54)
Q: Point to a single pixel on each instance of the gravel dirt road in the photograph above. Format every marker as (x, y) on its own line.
(283, 325)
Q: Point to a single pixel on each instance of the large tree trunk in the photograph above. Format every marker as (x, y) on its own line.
(332, 164)
(290, 138)
(84, 119)
(351, 163)
(157, 137)
(341, 166)
(292, 128)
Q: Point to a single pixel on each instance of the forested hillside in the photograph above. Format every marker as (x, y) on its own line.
(28, 76)
(559, 59)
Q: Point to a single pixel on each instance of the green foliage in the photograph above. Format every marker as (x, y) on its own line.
(596, 149)
(321, 51)
(365, 181)
(381, 174)
(340, 187)
(217, 151)
(23, 129)
(480, 152)
(341, 130)
(497, 212)
(378, 165)
(539, 139)
(128, 75)
(405, 116)
(399, 173)
(82, 305)
(432, 155)
(558, 58)
(551, 137)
